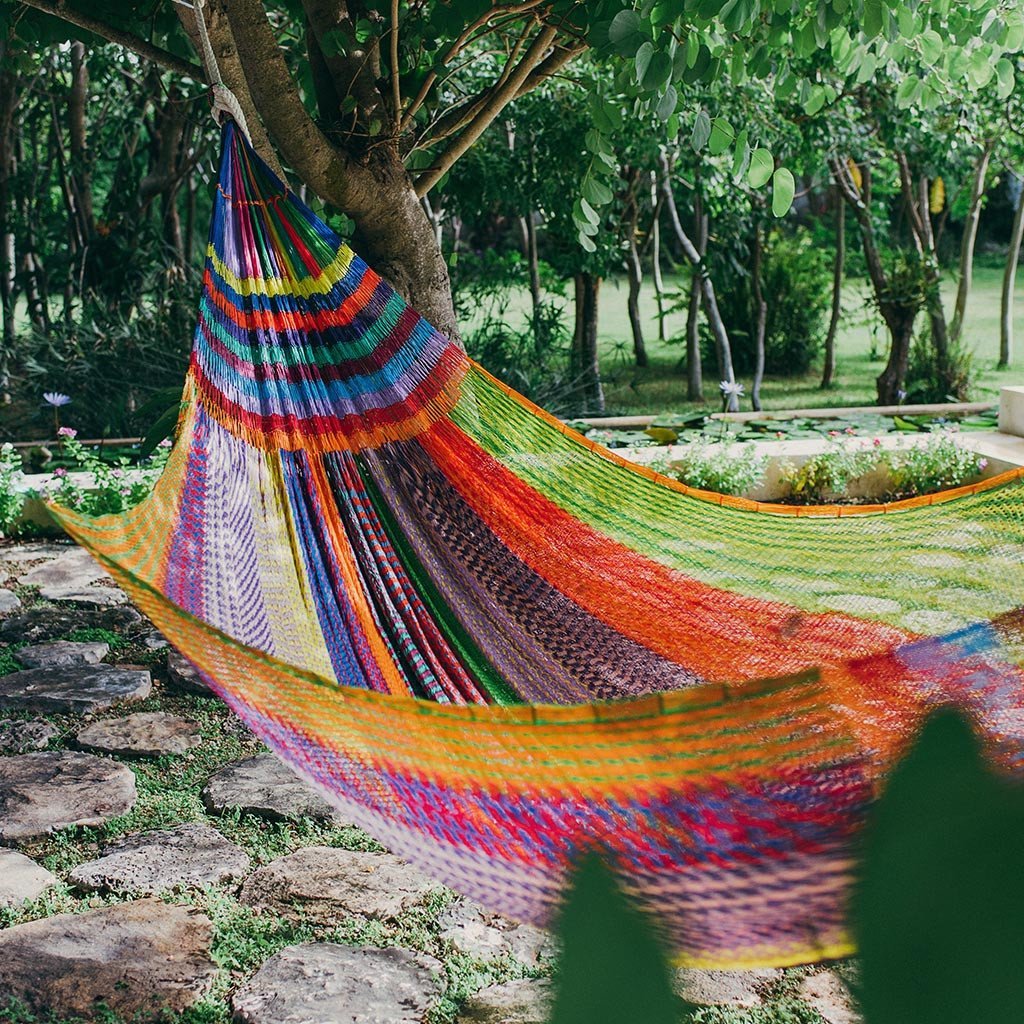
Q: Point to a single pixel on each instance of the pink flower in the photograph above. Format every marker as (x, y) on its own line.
(67, 432)
(833, 433)
(851, 431)
(60, 471)
(877, 442)
(165, 443)
(983, 464)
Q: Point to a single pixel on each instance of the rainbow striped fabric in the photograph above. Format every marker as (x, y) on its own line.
(494, 644)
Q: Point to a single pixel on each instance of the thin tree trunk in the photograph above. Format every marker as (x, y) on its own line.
(655, 237)
(694, 367)
(711, 310)
(81, 161)
(585, 367)
(636, 277)
(1010, 280)
(838, 264)
(528, 236)
(8, 253)
(761, 308)
(968, 240)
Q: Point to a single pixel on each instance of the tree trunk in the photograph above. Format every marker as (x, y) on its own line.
(528, 236)
(81, 161)
(761, 308)
(707, 288)
(694, 370)
(838, 264)
(968, 239)
(8, 253)
(585, 368)
(1010, 280)
(890, 381)
(636, 277)
(655, 238)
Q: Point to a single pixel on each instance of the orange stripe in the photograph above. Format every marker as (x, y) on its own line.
(718, 634)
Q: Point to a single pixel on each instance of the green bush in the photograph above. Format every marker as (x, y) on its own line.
(713, 466)
(797, 288)
(11, 499)
(937, 465)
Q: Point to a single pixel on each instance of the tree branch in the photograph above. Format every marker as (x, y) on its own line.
(494, 106)
(396, 88)
(157, 54)
(303, 145)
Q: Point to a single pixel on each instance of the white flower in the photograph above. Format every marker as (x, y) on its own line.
(730, 388)
(56, 399)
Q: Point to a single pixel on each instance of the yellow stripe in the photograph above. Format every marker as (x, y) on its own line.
(289, 286)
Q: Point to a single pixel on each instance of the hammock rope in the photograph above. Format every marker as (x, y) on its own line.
(493, 644)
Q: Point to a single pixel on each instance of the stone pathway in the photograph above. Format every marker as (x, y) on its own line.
(43, 792)
(219, 846)
(325, 982)
(265, 785)
(147, 863)
(136, 958)
(143, 734)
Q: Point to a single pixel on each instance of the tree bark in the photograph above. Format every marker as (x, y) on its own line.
(838, 264)
(761, 315)
(585, 368)
(635, 275)
(898, 312)
(528, 235)
(707, 288)
(1009, 281)
(655, 240)
(968, 240)
(8, 253)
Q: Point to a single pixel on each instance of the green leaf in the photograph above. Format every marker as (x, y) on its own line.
(626, 32)
(761, 167)
(722, 136)
(783, 190)
(815, 99)
(613, 968)
(908, 90)
(588, 213)
(643, 60)
(931, 46)
(1004, 73)
(940, 895)
(980, 68)
(701, 131)
(596, 192)
(162, 429)
(586, 243)
(873, 18)
(667, 104)
(658, 72)
(741, 154)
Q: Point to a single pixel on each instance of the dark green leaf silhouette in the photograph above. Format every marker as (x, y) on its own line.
(613, 968)
(940, 909)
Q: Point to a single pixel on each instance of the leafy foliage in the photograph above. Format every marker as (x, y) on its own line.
(11, 496)
(613, 967)
(940, 904)
(713, 466)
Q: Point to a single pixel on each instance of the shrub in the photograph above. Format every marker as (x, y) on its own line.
(116, 486)
(926, 382)
(938, 464)
(713, 466)
(11, 499)
(796, 283)
(827, 476)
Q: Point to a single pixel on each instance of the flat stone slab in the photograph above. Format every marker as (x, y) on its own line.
(474, 931)
(39, 625)
(183, 676)
(266, 786)
(524, 1001)
(21, 878)
(21, 736)
(40, 793)
(9, 601)
(724, 988)
(89, 597)
(33, 551)
(138, 959)
(325, 983)
(79, 690)
(325, 884)
(63, 654)
(143, 734)
(827, 994)
(72, 568)
(147, 863)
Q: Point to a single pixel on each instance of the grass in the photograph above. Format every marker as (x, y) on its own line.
(861, 351)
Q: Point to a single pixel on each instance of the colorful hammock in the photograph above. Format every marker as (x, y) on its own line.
(493, 643)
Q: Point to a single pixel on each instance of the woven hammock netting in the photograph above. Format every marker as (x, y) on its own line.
(493, 644)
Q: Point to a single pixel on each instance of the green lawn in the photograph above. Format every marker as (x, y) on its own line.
(662, 386)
